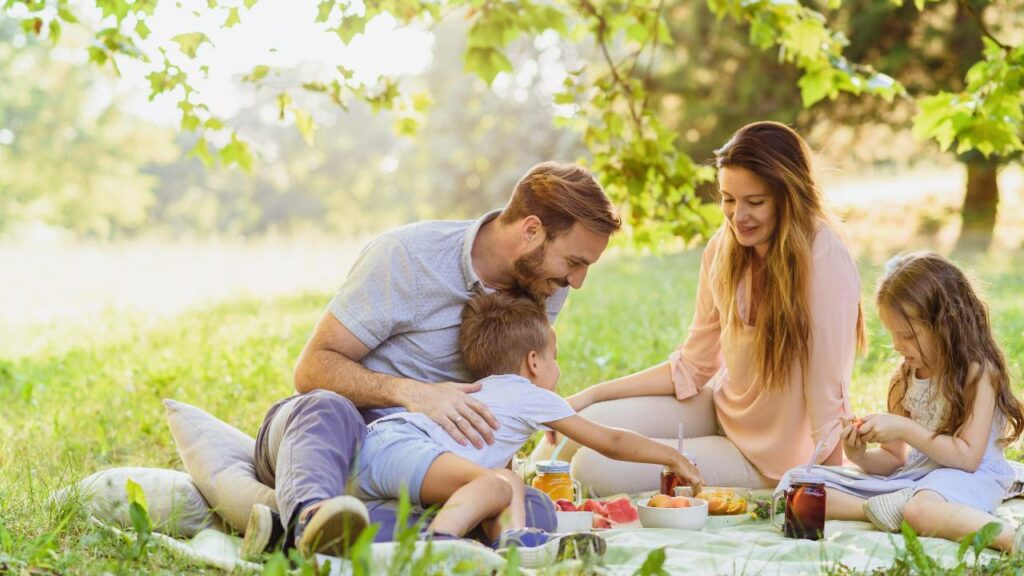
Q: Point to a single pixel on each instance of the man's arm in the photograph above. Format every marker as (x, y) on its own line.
(330, 361)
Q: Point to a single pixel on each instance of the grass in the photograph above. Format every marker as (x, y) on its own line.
(78, 398)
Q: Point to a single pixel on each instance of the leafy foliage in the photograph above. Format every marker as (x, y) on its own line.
(635, 154)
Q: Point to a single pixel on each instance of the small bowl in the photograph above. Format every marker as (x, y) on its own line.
(574, 521)
(692, 518)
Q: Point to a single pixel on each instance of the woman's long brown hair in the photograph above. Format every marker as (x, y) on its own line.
(929, 292)
(780, 158)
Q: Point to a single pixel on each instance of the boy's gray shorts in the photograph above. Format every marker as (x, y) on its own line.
(393, 458)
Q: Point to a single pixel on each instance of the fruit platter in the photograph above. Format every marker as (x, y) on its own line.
(725, 501)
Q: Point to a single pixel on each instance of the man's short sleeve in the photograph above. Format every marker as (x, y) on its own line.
(378, 298)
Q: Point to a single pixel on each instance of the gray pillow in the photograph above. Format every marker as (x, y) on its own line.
(219, 458)
(175, 505)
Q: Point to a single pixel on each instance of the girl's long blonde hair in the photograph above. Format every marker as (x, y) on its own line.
(781, 158)
(928, 291)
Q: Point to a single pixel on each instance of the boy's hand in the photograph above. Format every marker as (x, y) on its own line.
(463, 417)
(883, 428)
(683, 468)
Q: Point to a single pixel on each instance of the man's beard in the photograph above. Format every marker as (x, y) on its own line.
(529, 274)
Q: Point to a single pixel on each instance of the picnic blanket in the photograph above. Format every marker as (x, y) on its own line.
(724, 547)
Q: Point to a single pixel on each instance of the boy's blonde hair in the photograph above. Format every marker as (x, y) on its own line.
(499, 330)
(928, 289)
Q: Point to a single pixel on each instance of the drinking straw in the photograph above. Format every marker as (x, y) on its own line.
(558, 449)
(679, 438)
(817, 452)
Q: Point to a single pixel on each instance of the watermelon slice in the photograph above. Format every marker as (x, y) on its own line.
(621, 511)
(601, 522)
(594, 506)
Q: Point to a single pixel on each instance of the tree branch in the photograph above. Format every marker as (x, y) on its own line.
(981, 24)
(602, 27)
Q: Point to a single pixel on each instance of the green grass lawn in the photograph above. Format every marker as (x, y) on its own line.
(77, 399)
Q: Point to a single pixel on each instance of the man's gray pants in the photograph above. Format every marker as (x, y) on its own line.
(307, 448)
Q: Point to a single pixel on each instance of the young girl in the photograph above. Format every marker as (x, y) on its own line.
(949, 401)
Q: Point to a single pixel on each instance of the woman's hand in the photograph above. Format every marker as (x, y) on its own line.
(883, 428)
(683, 468)
(581, 399)
(853, 445)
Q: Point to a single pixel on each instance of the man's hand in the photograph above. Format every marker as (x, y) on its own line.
(466, 419)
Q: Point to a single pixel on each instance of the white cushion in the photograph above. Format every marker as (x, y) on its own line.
(219, 458)
(175, 505)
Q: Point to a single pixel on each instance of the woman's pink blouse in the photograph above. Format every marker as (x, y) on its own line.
(776, 430)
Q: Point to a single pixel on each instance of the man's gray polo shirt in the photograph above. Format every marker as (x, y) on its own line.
(403, 299)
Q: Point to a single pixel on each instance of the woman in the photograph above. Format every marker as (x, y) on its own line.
(763, 374)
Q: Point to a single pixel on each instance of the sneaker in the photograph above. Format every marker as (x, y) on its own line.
(1018, 540)
(263, 532)
(537, 548)
(885, 511)
(333, 526)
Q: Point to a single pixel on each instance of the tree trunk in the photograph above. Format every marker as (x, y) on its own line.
(980, 204)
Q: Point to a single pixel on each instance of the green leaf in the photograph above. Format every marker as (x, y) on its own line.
(815, 85)
(654, 564)
(986, 536)
(232, 19)
(323, 11)
(237, 152)
(135, 494)
(258, 73)
(350, 26)
(202, 151)
(97, 55)
(806, 38)
(65, 14)
(190, 42)
(142, 30)
(486, 63)
(250, 3)
(421, 101)
(406, 126)
(54, 27)
(304, 122)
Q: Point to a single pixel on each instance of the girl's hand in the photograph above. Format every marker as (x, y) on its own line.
(883, 428)
(683, 468)
(853, 445)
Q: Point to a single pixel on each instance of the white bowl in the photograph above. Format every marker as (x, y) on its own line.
(574, 521)
(692, 518)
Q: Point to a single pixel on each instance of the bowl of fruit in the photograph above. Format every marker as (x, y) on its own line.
(679, 512)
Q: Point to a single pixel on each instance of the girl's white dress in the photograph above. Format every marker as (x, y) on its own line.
(983, 489)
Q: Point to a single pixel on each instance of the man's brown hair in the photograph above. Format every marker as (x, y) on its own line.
(561, 194)
(499, 330)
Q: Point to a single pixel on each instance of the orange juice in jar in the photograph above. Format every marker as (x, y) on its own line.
(553, 479)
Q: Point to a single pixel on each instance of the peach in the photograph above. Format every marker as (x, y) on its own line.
(660, 501)
(680, 502)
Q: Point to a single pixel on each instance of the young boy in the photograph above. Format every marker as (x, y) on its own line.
(507, 344)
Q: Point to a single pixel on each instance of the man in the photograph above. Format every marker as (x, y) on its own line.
(388, 342)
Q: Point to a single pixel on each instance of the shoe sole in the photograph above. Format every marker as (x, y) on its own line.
(581, 546)
(257, 532)
(334, 527)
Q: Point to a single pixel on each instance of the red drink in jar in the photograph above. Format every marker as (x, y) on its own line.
(805, 506)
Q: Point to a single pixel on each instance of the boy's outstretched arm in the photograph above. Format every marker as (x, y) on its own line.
(619, 444)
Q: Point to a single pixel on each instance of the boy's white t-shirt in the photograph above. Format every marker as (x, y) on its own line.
(520, 407)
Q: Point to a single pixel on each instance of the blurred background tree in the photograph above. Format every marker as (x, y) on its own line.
(651, 89)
